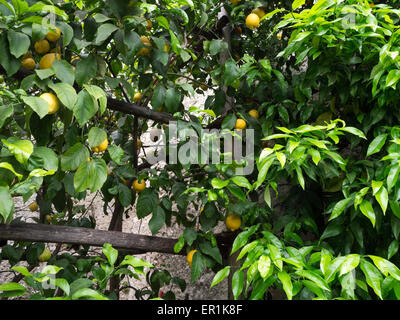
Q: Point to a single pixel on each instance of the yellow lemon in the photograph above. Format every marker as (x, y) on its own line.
(27, 55)
(279, 35)
(46, 255)
(240, 124)
(42, 46)
(149, 25)
(189, 257)
(52, 100)
(28, 64)
(33, 206)
(254, 113)
(260, 12)
(48, 219)
(166, 47)
(146, 41)
(252, 21)
(55, 50)
(53, 36)
(144, 52)
(139, 144)
(48, 59)
(101, 147)
(75, 58)
(137, 96)
(139, 186)
(233, 222)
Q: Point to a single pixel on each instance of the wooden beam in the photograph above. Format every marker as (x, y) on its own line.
(32, 232)
(139, 111)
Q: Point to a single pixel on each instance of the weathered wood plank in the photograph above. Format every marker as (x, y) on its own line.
(76, 235)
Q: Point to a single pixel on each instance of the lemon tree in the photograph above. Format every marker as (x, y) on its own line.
(314, 83)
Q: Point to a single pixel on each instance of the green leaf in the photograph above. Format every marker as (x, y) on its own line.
(89, 294)
(315, 155)
(275, 256)
(86, 69)
(65, 93)
(172, 100)
(210, 250)
(9, 62)
(104, 31)
(241, 239)
(392, 176)
(241, 182)
(218, 183)
(22, 270)
(332, 230)
(74, 157)
(220, 275)
(90, 175)
(6, 165)
(392, 78)
(354, 131)
(163, 22)
(264, 266)
(386, 267)
(179, 244)
(229, 121)
(85, 107)
(376, 144)
(393, 248)
(197, 267)
(157, 220)
(135, 262)
(98, 94)
(116, 153)
(248, 247)
(383, 198)
(146, 203)
(5, 112)
(39, 105)
(216, 46)
(339, 208)
(297, 4)
(300, 177)
(263, 172)
(63, 285)
(287, 283)
(335, 156)
(96, 136)
(350, 263)
(21, 149)
(12, 289)
(237, 283)
(281, 157)
(19, 43)
(231, 72)
(110, 253)
(372, 276)
(6, 204)
(64, 71)
(368, 211)
(314, 277)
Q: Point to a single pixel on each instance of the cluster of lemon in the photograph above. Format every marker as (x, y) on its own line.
(146, 50)
(42, 47)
